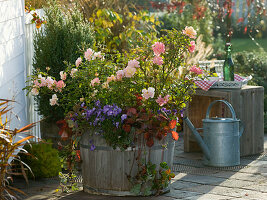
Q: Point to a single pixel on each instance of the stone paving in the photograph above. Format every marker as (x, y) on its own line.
(193, 181)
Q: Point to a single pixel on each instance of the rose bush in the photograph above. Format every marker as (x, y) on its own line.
(123, 99)
(146, 95)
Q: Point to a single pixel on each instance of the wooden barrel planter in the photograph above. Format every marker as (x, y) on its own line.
(105, 170)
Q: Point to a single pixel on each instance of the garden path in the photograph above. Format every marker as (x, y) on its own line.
(193, 181)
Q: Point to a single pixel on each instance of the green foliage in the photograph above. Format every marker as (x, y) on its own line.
(150, 180)
(120, 31)
(44, 161)
(67, 182)
(96, 79)
(255, 64)
(60, 40)
(118, 23)
(188, 17)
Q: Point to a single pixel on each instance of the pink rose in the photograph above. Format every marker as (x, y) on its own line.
(94, 81)
(78, 61)
(148, 93)
(162, 100)
(158, 60)
(73, 71)
(192, 46)
(190, 31)
(49, 82)
(111, 78)
(119, 75)
(63, 75)
(158, 48)
(54, 100)
(97, 55)
(88, 54)
(196, 70)
(129, 71)
(36, 83)
(133, 63)
(35, 91)
(60, 84)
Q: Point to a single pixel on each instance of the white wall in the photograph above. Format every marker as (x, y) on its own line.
(12, 56)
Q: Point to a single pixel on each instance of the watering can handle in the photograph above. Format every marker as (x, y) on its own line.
(227, 103)
(241, 128)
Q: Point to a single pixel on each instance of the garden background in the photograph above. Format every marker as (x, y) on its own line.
(116, 25)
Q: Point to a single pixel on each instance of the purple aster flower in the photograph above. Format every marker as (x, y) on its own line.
(102, 118)
(83, 104)
(106, 108)
(97, 103)
(168, 112)
(92, 147)
(117, 124)
(110, 113)
(98, 113)
(182, 112)
(123, 117)
(96, 121)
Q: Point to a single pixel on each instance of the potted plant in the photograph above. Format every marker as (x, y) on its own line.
(124, 111)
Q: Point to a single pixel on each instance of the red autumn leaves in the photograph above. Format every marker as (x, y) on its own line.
(150, 125)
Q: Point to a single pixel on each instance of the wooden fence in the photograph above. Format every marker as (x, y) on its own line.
(32, 115)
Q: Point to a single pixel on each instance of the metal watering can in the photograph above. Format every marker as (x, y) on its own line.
(221, 138)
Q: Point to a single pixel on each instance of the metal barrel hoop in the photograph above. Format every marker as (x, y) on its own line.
(225, 102)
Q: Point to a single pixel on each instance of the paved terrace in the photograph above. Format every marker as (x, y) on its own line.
(193, 181)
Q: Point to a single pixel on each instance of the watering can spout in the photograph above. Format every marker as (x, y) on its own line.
(199, 139)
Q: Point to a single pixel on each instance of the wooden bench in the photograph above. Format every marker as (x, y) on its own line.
(248, 103)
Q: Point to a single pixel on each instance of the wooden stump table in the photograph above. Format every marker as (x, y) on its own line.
(248, 103)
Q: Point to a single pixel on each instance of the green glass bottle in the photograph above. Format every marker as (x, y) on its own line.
(228, 66)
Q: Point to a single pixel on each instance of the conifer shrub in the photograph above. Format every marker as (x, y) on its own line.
(63, 36)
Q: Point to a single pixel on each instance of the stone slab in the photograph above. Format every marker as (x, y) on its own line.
(180, 194)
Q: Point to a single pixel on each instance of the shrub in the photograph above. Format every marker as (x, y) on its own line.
(118, 23)
(255, 64)
(44, 162)
(64, 35)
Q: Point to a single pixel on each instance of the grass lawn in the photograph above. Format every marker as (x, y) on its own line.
(248, 44)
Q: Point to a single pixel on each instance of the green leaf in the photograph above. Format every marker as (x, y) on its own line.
(136, 189)
(148, 191)
(164, 165)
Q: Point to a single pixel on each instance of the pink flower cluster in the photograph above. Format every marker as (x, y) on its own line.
(190, 32)
(148, 93)
(163, 100)
(95, 81)
(158, 48)
(91, 55)
(47, 82)
(192, 46)
(196, 70)
(54, 100)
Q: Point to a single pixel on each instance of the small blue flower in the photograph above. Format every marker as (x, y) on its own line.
(97, 103)
(117, 124)
(83, 104)
(123, 117)
(110, 113)
(92, 147)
